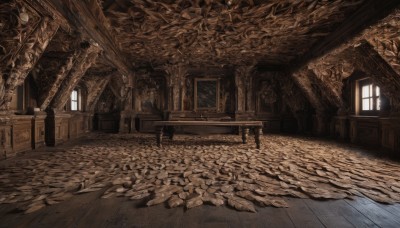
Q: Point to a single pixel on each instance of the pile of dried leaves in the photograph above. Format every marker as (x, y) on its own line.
(192, 171)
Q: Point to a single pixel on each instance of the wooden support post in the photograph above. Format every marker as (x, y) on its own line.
(257, 136)
(159, 135)
(245, 134)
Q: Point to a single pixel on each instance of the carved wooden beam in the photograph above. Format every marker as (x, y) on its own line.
(328, 72)
(303, 81)
(26, 58)
(49, 87)
(89, 18)
(117, 88)
(292, 95)
(81, 64)
(95, 88)
(306, 82)
(294, 98)
(368, 60)
(331, 94)
(366, 15)
(47, 10)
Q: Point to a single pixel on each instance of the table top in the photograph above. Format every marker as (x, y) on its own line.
(208, 123)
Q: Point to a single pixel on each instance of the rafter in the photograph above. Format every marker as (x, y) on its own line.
(88, 17)
(83, 62)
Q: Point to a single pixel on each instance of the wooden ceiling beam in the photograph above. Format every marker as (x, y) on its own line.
(88, 17)
(367, 15)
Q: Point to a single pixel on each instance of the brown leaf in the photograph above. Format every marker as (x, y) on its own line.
(175, 201)
(241, 204)
(158, 199)
(194, 202)
(34, 207)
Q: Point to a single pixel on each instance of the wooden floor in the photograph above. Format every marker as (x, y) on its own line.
(89, 210)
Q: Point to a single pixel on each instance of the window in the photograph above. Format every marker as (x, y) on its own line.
(74, 100)
(370, 97)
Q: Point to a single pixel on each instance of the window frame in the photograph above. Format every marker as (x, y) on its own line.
(374, 111)
(77, 101)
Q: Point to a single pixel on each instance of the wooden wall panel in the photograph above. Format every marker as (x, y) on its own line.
(38, 131)
(22, 133)
(366, 131)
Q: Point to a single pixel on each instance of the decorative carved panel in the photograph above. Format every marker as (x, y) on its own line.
(206, 94)
(150, 95)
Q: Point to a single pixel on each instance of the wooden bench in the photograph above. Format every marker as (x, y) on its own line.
(244, 125)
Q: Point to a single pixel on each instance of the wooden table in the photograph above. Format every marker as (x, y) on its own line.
(245, 125)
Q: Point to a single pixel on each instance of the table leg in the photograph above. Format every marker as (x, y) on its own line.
(245, 133)
(159, 135)
(171, 132)
(257, 134)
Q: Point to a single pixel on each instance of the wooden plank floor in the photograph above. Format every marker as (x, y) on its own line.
(89, 210)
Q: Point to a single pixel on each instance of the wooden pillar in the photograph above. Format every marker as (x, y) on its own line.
(244, 92)
(175, 78)
(239, 92)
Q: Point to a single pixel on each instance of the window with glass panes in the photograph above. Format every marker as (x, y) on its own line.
(370, 96)
(74, 100)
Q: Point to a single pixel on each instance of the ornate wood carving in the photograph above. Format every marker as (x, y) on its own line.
(330, 73)
(149, 94)
(292, 95)
(83, 62)
(88, 17)
(175, 78)
(108, 102)
(51, 76)
(266, 96)
(14, 31)
(46, 9)
(244, 83)
(95, 86)
(22, 62)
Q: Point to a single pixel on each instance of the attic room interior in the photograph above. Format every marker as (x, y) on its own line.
(199, 113)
